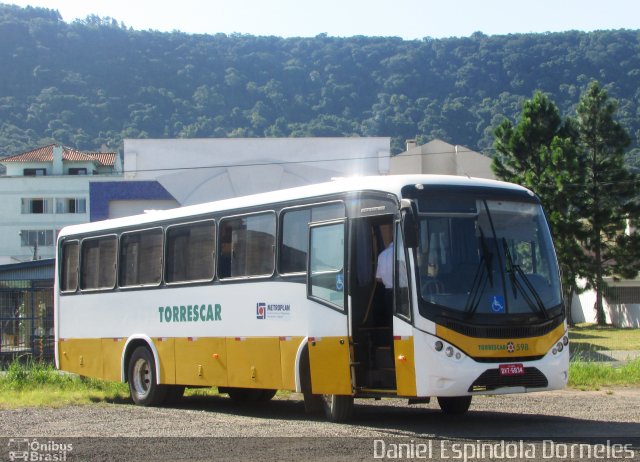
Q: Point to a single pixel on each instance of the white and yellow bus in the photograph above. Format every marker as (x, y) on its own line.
(279, 291)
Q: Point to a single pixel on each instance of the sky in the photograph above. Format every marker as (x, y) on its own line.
(409, 19)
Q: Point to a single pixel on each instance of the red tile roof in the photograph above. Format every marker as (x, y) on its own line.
(45, 154)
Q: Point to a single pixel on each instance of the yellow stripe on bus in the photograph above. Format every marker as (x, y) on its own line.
(500, 347)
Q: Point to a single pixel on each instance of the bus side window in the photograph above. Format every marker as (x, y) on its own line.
(326, 265)
(295, 238)
(295, 234)
(402, 305)
(141, 258)
(98, 263)
(190, 252)
(247, 246)
(69, 271)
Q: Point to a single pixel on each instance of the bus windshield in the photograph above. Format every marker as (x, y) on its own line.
(486, 256)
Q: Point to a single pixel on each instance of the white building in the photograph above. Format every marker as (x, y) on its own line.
(440, 157)
(201, 170)
(44, 190)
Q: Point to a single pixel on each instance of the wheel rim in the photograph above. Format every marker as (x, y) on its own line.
(141, 377)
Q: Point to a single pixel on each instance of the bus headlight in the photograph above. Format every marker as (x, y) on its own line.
(560, 346)
(448, 351)
(438, 345)
(565, 340)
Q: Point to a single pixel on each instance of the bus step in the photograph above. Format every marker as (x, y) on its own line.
(384, 358)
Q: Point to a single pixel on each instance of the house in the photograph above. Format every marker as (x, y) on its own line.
(44, 190)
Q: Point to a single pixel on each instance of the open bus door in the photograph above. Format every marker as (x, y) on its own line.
(329, 349)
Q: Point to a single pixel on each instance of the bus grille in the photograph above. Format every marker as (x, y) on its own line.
(500, 331)
(492, 380)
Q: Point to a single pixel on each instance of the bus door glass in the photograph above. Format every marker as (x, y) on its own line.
(329, 354)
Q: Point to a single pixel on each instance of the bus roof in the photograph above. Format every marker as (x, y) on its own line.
(389, 183)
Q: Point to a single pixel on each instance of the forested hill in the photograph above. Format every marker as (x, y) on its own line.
(96, 82)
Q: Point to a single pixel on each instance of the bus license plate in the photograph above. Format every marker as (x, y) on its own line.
(511, 369)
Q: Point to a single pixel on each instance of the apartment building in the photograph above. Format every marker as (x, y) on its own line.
(44, 190)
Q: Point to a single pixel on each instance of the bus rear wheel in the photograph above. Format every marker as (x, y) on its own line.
(142, 378)
(338, 408)
(454, 405)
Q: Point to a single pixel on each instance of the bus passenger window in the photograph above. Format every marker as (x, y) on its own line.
(190, 252)
(141, 258)
(98, 265)
(247, 246)
(69, 271)
(295, 234)
(295, 237)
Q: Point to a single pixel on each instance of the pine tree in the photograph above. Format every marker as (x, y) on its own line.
(611, 193)
(539, 153)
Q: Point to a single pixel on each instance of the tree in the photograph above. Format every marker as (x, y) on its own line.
(539, 153)
(611, 193)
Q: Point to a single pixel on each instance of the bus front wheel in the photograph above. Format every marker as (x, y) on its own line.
(142, 378)
(454, 404)
(338, 408)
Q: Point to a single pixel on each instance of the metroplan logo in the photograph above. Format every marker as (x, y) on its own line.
(261, 310)
(273, 311)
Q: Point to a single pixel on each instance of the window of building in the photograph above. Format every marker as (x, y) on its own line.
(247, 246)
(69, 269)
(71, 205)
(36, 205)
(98, 263)
(140, 258)
(295, 234)
(34, 171)
(33, 237)
(77, 171)
(190, 252)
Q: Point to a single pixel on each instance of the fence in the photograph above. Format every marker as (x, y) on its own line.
(26, 321)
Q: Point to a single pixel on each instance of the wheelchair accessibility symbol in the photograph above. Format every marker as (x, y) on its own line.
(497, 304)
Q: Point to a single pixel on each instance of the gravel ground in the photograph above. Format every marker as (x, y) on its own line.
(236, 432)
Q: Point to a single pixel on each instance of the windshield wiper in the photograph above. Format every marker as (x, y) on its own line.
(536, 304)
(488, 256)
(483, 274)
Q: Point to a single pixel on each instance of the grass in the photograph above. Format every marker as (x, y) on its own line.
(592, 375)
(589, 337)
(34, 384)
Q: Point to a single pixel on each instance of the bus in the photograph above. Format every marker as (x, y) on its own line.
(282, 291)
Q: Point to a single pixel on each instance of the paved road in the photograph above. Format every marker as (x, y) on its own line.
(544, 424)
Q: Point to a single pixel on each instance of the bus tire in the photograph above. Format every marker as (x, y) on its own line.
(312, 403)
(338, 408)
(142, 378)
(454, 405)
